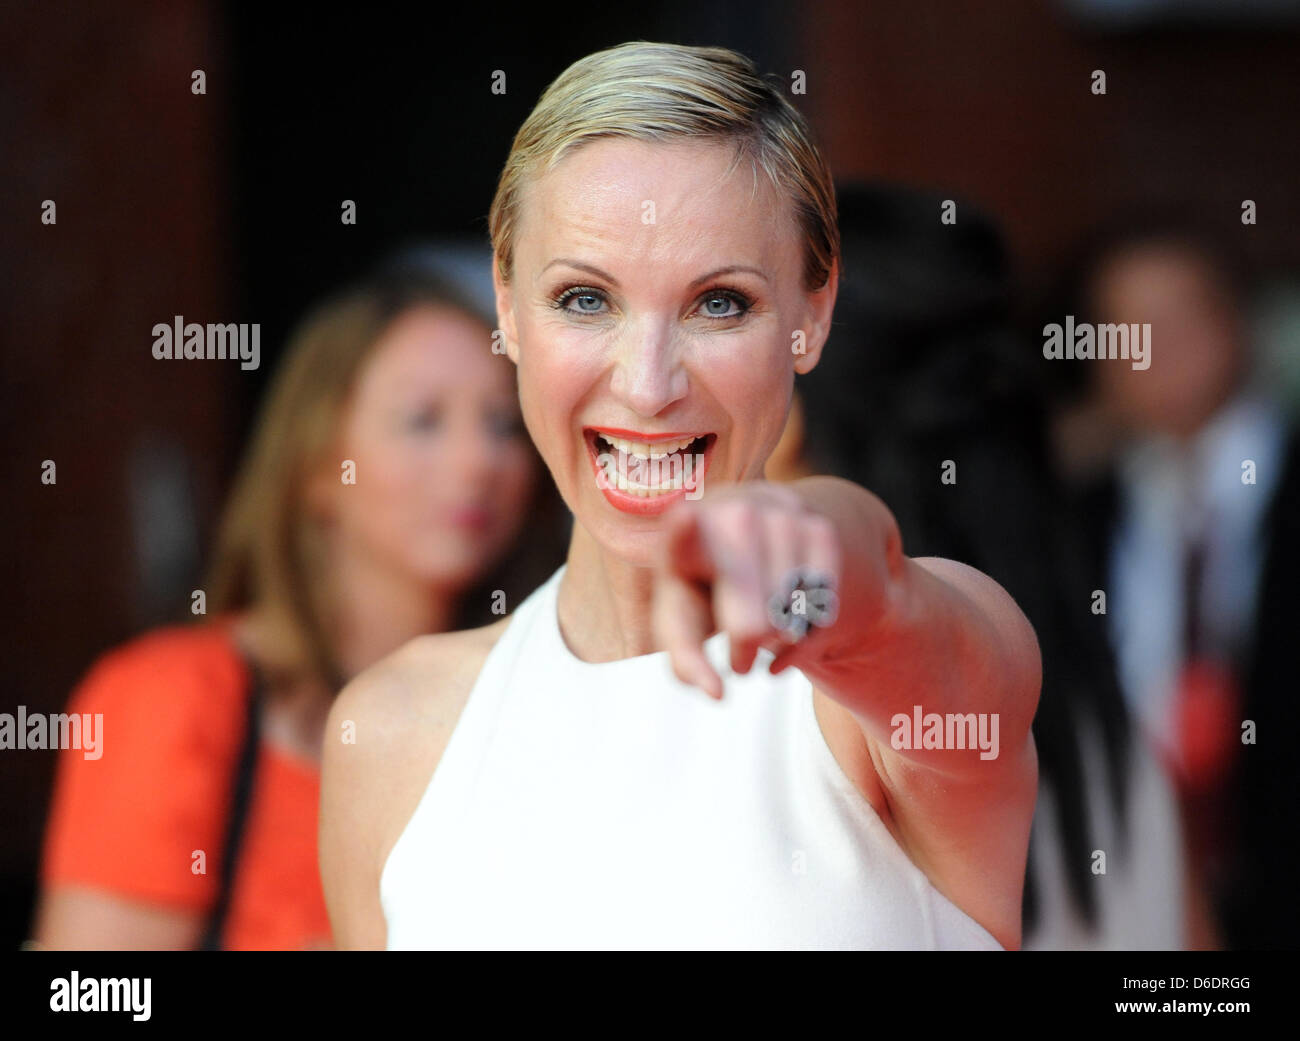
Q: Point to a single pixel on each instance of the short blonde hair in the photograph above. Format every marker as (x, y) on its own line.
(662, 92)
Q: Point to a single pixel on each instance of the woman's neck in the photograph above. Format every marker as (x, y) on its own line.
(377, 609)
(604, 603)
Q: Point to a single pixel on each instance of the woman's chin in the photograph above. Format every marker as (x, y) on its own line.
(635, 540)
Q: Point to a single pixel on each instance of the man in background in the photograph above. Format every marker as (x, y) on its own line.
(1194, 520)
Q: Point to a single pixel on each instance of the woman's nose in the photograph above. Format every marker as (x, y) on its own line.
(648, 375)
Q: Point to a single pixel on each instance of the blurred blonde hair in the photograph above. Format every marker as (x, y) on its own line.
(663, 92)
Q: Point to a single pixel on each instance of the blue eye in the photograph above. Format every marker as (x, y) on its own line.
(589, 300)
(719, 303)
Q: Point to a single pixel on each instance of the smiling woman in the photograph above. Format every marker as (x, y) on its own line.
(572, 776)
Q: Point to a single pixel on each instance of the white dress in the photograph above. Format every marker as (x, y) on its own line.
(610, 806)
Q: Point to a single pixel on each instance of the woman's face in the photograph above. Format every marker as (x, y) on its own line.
(655, 306)
(444, 470)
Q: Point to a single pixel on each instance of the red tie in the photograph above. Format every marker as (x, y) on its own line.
(1207, 726)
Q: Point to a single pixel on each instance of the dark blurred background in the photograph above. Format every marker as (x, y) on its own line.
(226, 207)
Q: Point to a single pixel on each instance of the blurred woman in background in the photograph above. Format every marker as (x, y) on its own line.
(380, 498)
(927, 395)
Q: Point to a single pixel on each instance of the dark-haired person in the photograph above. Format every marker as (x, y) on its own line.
(197, 827)
(1195, 514)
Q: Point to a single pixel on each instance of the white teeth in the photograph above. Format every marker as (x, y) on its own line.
(647, 451)
(669, 481)
(653, 465)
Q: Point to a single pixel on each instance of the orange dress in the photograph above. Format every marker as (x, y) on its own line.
(133, 821)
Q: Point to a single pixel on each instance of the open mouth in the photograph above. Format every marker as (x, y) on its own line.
(655, 469)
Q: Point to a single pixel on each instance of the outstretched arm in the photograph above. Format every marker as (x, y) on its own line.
(917, 641)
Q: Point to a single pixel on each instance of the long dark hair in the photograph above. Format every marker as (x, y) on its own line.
(924, 364)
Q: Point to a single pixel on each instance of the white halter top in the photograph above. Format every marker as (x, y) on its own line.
(610, 806)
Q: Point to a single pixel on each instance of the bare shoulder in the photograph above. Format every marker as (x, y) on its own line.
(415, 689)
(385, 735)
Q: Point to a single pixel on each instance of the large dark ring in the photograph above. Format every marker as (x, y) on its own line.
(805, 600)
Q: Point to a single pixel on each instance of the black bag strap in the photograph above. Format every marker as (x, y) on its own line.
(241, 797)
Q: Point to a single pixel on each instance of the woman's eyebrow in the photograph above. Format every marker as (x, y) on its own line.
(581, 267)
(731, 269)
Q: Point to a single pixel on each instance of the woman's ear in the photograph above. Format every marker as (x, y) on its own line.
(505, 312)
(821, 305)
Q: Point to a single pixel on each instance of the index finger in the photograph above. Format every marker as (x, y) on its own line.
(683, 610)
